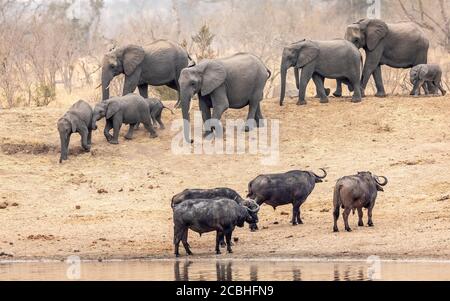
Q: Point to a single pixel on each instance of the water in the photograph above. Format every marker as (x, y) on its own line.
(227, 270)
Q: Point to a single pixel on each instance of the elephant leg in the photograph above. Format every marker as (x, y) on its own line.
(360, 217)
(357, 92)
(254, 105)
(318, 81)
(372, 62)
(117, 124)
(297, 77)
(84, 139)
(129, 135)
(108, 127)
(206, 115)
(89, 138)
(378, 77)
(160, 122)
(149, 127)
(307, 73)
(259, 117)
(338, 92)
(220, 105)
(417, 87)
(143, 90)
(440, 87)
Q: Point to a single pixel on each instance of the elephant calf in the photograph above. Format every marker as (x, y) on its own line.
(77, 120)
(129, 109)
(356, 192)
(426, 76)
(292, 187)
(156, 108)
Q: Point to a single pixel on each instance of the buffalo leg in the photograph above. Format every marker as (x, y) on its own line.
(228, 235)
(177, 236)
(185, 242)
(295, 214)
(360, 216)
(345, 215)
(219, 241)
(369, 214)
(336, 217)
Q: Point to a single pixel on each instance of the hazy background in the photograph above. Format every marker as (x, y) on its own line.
(52, 50)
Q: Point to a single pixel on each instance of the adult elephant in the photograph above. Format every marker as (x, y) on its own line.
(336, 59)
(398, 45)
(158, 64)
(233, 82)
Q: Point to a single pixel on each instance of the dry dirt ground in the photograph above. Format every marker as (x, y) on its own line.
(115, 201)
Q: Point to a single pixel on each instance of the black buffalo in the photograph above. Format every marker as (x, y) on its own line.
(207, 215)
(356, 192)
(189, 194)
(292, 187)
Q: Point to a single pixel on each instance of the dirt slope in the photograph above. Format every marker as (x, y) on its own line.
(123, 192)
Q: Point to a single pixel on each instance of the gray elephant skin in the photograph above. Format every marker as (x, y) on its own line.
(398, 45)
(355, 193)
(78, 119)
(335, 59)
(129, 109)
(426, 75)
(205, 215)
(156, 108)
(158, 64)
(233, 82)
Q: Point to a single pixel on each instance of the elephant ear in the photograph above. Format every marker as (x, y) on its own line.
(376, 31)
(132, 58)
(113, 108)
(214, 75)
(422, 72)
(308, 53)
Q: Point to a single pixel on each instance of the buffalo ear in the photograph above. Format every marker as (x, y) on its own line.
(376, 31)
(214, 75)
(112, 108)
(308, 52)
(132, 57)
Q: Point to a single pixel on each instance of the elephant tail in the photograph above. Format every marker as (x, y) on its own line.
(270, 73)
(169, 109)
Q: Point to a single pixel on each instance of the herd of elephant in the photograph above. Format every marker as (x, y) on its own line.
(239, 80)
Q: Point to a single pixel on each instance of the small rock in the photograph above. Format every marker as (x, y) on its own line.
(444, 198)
(150, 187)
(325, 210)
(101, 191)
(290, 236)
(121, 190)
(265, 228)
(131, 189)
(76, 251)
(284, 213)
(78, 207)
(15, 204)
(236, 239)
(276, 223)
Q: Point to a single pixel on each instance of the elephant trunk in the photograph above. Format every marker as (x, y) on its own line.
(185, 107)
(283, 83)
(64, 147)
(107, 77)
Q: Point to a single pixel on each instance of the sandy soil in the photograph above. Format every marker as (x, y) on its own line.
(115, 201)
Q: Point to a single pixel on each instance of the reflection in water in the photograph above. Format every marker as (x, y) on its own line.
(228, 270)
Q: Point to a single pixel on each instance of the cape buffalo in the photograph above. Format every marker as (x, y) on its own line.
(206, 215)
(292, 187)
(189, 194)
(356, 192)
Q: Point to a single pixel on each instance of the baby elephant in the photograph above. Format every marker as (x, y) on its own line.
(356, 192)
(292, 187)
(129, 109)
(156, 107)
(427, 76)
(77, 120)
